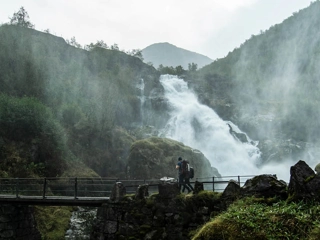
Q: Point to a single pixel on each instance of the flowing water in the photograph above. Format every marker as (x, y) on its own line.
(199, 127)
(140, 87)
(81, 224)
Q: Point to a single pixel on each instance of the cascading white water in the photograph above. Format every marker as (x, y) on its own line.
(199, 127)
(141, 96)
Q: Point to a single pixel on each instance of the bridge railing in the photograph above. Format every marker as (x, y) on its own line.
(95, 187)
(69, 187)
(218, 184)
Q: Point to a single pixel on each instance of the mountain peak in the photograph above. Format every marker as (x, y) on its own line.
(168, 54)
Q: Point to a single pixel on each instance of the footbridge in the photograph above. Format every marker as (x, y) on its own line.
(84, 191)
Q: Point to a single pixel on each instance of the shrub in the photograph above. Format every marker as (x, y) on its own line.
(28, 121)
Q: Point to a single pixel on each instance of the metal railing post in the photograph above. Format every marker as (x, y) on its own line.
(239, 181)
(213, 184)
(17, 187)
(75, 188)
(44, 188)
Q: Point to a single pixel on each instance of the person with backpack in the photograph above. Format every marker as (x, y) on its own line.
(182, 167)
(189, 174)
(180, 176)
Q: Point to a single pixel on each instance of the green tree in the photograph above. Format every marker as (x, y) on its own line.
(179, 70)
(100, 44)
(21, 18)
(160, 68)
(136, 53)
(73, 42)
(192, 67)
(115, 47)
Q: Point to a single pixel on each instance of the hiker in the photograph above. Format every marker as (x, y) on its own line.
(180, 174)
(187, 177)
(182, 168)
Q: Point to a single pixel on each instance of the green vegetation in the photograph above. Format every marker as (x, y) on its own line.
(252, 218)
(86, 94)
(21, 18)
(52, 222)
(178, 70)
(29, 121)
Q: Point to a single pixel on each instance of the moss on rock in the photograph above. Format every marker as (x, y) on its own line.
(154, 158)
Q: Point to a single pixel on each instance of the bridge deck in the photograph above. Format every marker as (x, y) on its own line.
(53, 200)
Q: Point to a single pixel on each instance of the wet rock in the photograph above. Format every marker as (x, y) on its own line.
(168, 190)
(304, 183)
(265, 186)
(118, 192)
(232, 190)
(142, 191)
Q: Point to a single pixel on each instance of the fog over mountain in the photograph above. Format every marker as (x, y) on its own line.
(170, 55)
(269, 87)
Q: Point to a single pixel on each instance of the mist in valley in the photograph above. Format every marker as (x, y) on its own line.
(275, 89)
(272, 86)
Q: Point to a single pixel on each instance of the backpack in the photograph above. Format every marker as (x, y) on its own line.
(191, 173)
(184, 167)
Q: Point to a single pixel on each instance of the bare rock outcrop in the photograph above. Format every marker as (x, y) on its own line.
(304, 183)
(265, 186)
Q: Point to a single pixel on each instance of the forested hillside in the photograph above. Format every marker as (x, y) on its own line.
(63, 105)
(270, 84)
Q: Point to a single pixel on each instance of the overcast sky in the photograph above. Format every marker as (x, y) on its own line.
(210, 27)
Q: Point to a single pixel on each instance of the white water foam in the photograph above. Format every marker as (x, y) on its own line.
(199, 127)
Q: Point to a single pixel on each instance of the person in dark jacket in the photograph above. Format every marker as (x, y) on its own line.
(187, 184)
(182, 176)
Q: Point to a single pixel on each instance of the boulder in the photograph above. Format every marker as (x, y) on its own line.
(153, 158)
(265, 186)
(232, 191)
(304, 183)
(230, 194)
(142, 191)
(168, 190)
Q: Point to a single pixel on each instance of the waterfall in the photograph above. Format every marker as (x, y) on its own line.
(199, 127)
(140, 87)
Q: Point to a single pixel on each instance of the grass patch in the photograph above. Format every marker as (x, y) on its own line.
(252, 219)
(52, 222)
